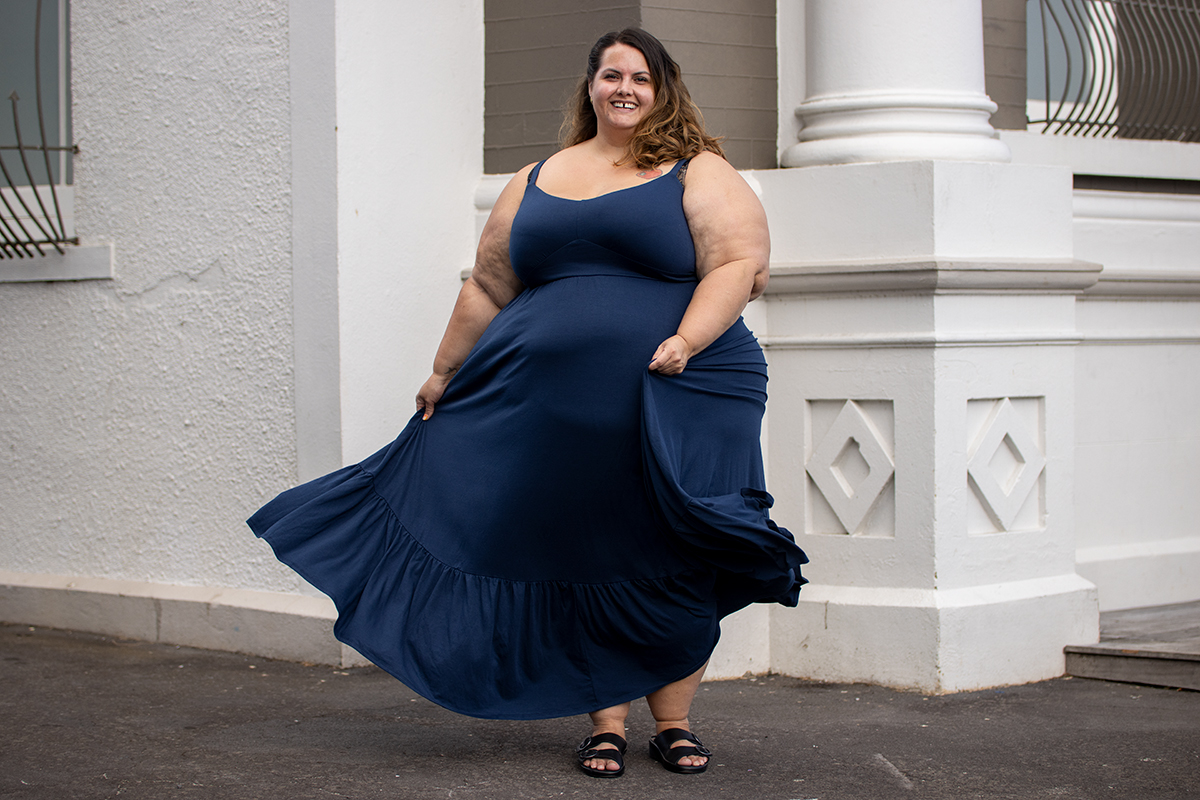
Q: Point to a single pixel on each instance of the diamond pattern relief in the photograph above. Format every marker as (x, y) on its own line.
(851, 466)
(1004, 463)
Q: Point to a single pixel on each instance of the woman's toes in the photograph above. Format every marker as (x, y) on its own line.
(602, 763)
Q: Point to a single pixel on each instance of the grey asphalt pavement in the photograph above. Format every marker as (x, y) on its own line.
(87, 716)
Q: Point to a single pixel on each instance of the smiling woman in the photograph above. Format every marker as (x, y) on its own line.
(579, 499)
(674, 125)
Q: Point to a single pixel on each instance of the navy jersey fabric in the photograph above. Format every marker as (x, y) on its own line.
(567, 530)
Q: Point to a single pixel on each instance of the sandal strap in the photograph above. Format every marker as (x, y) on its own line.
(676, 753)
(587, 748)
(672, 735)
(607, 754)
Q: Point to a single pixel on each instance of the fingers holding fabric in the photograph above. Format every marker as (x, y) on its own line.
(431, 393)
(672, 356)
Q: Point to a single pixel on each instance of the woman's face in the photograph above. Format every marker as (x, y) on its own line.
(622, 91)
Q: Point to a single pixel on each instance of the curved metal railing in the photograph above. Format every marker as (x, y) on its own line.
(1128, 69)
(26, 231)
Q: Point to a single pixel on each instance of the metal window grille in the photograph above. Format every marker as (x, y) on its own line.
(31, 215)
(1127, 69)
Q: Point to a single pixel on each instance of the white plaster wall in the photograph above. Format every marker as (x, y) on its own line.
(143, 418)
(1137, 369)
(410, 155)
(789, 45)
(1138, 433)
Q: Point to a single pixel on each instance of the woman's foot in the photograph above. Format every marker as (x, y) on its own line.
(601, 755)
(678, 750)
(670, 706)
(608, 733)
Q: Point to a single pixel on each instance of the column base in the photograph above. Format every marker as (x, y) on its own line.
(896, 147)
(935, 641)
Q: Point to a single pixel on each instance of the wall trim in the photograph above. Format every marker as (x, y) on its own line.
(267, 624)
(1134, 206)
(87, 263)
(1146, 285)
(1090, 155)
(843, 341)
(1138, 574)
(934, 276)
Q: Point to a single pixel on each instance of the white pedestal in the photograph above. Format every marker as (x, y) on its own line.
(921, 439)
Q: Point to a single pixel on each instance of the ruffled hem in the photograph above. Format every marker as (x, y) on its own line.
(424, 621)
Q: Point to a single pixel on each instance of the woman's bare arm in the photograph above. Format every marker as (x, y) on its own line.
(733, 250)
(491, 287)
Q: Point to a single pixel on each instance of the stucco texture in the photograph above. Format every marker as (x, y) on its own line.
(143, 418)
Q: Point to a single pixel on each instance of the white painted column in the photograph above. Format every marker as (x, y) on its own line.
(921, 337)
(892, 80)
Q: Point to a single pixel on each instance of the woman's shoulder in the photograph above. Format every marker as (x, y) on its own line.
(509, 199)
(709, 163)
(707, 170)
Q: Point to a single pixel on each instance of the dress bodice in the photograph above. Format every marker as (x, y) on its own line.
(640, 231)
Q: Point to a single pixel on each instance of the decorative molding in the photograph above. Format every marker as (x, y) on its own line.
(887, 125)
(1135, 206)
(76, 264)
(865, 340)
(1145, 285)
(1005, 463)
(852, 464)
(934, 276)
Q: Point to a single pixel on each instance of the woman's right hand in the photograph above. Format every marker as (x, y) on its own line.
(431, 393)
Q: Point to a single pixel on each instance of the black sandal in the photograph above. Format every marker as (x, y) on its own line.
(662, 751)
(587, 750)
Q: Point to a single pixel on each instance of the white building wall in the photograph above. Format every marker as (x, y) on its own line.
(289, 195)
(142, 417)
(1137, 370)
(410, 156)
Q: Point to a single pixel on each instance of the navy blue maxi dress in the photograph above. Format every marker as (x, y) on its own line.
(567, 530)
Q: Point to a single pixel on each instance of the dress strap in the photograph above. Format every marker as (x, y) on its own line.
(681, 170)
(533, 173)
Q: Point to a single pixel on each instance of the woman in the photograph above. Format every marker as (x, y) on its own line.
(562, 525)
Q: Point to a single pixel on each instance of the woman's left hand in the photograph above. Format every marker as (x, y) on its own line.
(671, 356)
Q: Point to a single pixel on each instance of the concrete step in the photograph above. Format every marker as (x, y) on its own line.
(1159, 646)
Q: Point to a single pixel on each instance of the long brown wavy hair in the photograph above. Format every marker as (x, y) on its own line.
(673, 129)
